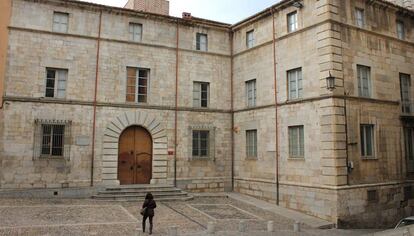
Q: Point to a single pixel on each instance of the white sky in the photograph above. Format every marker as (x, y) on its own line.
(227, 11)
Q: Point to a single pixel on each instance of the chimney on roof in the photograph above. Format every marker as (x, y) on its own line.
(187, 16)
(161, 7)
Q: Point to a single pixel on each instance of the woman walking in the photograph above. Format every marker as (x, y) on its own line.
(148, 211)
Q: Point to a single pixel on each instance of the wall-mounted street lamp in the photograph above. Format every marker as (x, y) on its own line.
(297, 4)
(330, 82)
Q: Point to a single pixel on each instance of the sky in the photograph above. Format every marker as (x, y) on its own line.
(226, 11)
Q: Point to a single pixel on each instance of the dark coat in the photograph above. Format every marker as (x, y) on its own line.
(150, 205)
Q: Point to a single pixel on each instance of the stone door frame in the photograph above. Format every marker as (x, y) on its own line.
(111, 144)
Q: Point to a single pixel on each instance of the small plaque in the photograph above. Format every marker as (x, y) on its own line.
(83, 140)
(170, 152)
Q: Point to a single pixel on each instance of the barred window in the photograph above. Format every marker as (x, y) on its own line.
(200, 143)
(52, 139)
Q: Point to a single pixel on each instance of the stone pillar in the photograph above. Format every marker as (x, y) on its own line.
(332, 113)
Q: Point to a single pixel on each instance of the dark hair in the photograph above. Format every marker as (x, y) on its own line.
(149, 196)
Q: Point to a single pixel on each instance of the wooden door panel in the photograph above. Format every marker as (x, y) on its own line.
(135, 156)
(126, 158)
(144, 168)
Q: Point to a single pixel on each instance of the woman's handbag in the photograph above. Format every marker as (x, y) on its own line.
(143, 210)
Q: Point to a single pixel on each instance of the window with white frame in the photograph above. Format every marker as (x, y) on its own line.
(295, 88)
(201, 94)
(56, 81)
(201, 42)
(201, 143)
(135, 32)
(359, 17)
(52, 139)
(251, 93)
(296, 142)
(251, 143)
(405, 88)
(364, 81)
(367, 141)
(60, 22)
(292, 20)
(137, 85)
(400, 30)
(250, 39)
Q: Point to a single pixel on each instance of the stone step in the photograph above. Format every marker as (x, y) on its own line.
(135, 198)
(138, 192)
(142, 194)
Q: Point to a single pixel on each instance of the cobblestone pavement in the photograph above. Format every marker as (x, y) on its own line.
(92, 217)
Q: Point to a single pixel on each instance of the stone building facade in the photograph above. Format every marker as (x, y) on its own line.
(243, 107)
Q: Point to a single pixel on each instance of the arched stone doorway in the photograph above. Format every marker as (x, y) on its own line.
(112, 138)
(135, 156)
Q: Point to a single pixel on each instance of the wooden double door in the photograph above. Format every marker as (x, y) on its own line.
(135, 156)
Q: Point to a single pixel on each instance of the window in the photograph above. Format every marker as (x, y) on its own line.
(292, 20)
(251, 143)
(367, 141)
(405, 87)
(295, 84)
(56, 80)
(250, 39)
(372, 196)
(200, 94)
(137, 85)
(296, 142)
(135, 32)
(359, 17)
(251, 93)
(52, 139)
(400, 30)
(364, 81)
(201, 143)
(60, 22)
(201, 42)
(409, 148)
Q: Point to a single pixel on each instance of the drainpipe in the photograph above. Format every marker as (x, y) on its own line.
(176, 105)
(276, 120)
(232, 110)
(95, 96)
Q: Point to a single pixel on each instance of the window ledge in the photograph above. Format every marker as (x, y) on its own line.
(57, 158)
(369, 158)
(252, 158)
(195, 158)
(296, 158)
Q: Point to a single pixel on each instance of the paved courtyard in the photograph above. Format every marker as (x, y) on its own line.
(92, 217)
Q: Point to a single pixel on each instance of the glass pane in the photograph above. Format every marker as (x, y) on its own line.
(51, 73)
(363, 137)
(143, 73)
(204, 134)
(50, 92)
(131, 72)
(142, 98)
(369, 140)
(203, 152)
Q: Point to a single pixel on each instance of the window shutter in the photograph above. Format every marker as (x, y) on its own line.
(212, 143)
